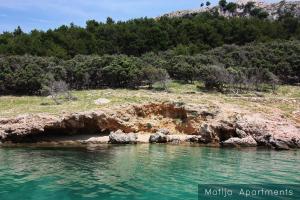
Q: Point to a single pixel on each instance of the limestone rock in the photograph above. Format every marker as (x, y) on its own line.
(189, 121)
(119, 137)
(241, 133)
(280, 145)
(274, 10)
(197, 139)
(207, 135)
(102, 101)
(158, 138)
(174, 139)
(164, 131)
(244, 142)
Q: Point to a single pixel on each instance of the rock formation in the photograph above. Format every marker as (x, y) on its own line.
(274, 10)
(160, 123)
(119, 137)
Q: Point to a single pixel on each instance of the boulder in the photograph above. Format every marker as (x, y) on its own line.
(119, 137)
(279, 145)
(197, 139)
(241, 133)
(244, 142)
(207, 135)
(175, 139)
(102, 101)
(158, 138)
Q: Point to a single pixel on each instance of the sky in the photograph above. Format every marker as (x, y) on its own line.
(45, 14)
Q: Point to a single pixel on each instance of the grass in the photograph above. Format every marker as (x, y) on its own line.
(288, 91)
(284, 100)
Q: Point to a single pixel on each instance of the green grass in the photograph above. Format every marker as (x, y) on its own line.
(289, 91)
(187, 93)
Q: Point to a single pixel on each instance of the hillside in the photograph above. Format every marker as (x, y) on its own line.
(139, 36)
(227, 54)
(273, 10)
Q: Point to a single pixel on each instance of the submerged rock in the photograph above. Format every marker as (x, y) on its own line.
(119, 137)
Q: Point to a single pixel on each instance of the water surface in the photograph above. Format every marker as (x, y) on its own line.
(136, 171)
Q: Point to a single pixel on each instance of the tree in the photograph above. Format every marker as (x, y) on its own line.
(271, 79)
(139, 36)
(183, 68)
(122, 71)
(258, 12)
(109, 20)
(214, 77)
(231, 7)
(28, 79)
(208, 3)
(248, 7)
(152, 75)
(222, 4)
(18, 31)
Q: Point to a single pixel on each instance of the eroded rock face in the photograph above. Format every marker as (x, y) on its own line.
(18, 128)
(275, 132)
(197, 123)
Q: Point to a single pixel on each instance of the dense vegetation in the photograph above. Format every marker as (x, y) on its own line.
(232, 54)
(229, 67)
(136, 37)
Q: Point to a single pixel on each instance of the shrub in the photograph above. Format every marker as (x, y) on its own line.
(152, 75)
(123, 71)
(59, 92)
(214, 77)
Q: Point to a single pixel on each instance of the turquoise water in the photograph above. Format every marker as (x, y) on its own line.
(136, 171)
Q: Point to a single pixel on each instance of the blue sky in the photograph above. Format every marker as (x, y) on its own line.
(45, 14)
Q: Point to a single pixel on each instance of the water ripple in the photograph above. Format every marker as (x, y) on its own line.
(136, 171)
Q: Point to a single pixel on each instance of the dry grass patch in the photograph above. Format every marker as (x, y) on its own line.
(286, 100)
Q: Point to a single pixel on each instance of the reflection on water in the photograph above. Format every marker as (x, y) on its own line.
(136, 171)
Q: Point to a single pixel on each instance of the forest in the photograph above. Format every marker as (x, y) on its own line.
(227, 54)
(136, 37)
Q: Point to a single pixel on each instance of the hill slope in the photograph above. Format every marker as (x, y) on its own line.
(274, 10)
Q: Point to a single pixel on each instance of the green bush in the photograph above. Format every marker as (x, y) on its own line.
(245, 67)
(214, 77)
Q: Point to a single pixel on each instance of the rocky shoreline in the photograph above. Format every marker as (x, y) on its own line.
(167, 122)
